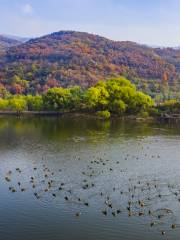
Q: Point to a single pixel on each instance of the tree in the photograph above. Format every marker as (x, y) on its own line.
(118, 106)
(97, 97)
(57, 99)
(18, 104)
(34, 103)
(18, 85)
(76, 98)
(118, 95)
(165, 85)
(3, 91)
(142, 102)
(4, 104)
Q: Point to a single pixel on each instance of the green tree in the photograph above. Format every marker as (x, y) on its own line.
(34, 103)
(18, 104)
(57, 99)
(76, 98)
(4, 104)
(118, 106)
(97, 97)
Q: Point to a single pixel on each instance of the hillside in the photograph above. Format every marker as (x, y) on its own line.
(171, 55)
(6, 42)
(17, 38)
(73, 58)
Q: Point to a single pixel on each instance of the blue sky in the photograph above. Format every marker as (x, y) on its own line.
(154, 22)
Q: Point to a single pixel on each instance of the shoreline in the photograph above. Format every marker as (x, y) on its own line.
(71, 115)
(31, 113)
(89, 115)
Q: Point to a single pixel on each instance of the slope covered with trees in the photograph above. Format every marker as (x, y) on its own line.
(69, 58)
(6, 42)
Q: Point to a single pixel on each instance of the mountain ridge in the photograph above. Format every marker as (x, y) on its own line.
(7, 42)
(67, 58)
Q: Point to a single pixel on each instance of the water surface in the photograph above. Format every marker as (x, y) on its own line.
(87, 179)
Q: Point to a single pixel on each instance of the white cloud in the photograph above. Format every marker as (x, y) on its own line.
(27, 9)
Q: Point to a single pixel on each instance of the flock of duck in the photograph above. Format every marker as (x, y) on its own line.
(131, 196)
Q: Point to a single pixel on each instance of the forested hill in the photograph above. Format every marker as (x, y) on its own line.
(6, 42)
(68, 58)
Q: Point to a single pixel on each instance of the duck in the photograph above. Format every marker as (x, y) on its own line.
(78, 214)
(36, 195)
(104, 212)
(152, 224)
(13, 190)
(7, 179)
(173, 226)
(141, 213)
(114, 214)
(110, 205)
(130, 214)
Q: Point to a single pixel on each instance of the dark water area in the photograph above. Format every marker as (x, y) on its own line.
(87, 179)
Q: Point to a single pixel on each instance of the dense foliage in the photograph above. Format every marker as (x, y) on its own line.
(66, 59)
(116, 95)
(169, 107)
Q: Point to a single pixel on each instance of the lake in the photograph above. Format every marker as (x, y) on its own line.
(65, 178)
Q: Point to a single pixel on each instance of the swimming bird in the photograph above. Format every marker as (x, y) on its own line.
(13, 190)
(104, 212)
(152, 224)
(78, 214)
(7, 179)
(114, 214)
(173, 226)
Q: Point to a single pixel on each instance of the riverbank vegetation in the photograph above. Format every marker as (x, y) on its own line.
(114, 96)
(169, 107)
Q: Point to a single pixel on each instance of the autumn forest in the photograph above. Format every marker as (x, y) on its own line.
(77, 62)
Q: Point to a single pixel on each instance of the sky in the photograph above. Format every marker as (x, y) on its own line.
(152, 22)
